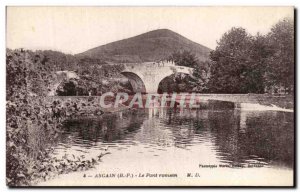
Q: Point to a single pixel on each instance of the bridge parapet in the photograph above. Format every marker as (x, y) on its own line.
(153, 69)
(150, 64)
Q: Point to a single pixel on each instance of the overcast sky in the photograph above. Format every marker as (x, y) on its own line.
(77, 29)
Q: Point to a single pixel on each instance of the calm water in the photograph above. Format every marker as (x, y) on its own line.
(217, 134)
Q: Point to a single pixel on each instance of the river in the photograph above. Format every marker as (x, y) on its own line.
(215, 145)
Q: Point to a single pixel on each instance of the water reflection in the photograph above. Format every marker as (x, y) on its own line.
(231, 136)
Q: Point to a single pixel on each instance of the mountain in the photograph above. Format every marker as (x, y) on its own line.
(151, 46)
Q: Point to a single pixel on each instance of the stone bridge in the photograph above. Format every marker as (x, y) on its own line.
(145, 77)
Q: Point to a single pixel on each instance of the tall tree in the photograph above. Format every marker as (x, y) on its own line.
(230, 62)
(280, 72)
(259, 52)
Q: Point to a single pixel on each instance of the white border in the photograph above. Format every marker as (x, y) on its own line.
(4, 3)
(153, 2)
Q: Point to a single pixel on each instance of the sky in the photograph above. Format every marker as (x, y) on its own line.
(77, 29)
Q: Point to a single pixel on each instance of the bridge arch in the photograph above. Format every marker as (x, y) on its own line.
(136, 81)
(61, 77)
(169, 85)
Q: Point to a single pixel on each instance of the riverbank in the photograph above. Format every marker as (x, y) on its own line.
(283, 101)
(31, 162)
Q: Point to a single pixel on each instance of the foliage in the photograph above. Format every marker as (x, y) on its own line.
(229, 61)
(24, 115)
(281, 64)
(17, 109)
(58, 61)
(185, 83)
(260, 51)
(200, 77)
(32, 123)
(93, 80)
(184, 58)
(175, 83)
(242, 63)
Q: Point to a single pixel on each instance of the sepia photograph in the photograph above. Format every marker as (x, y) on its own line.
(150, 96)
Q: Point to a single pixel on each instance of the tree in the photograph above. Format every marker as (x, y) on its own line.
(185, 83)
(259, 52)
(184, 58)
(29, 126)
(229, 61)
(243, 63)
(235, 67)
(280, 67)
(200, 77)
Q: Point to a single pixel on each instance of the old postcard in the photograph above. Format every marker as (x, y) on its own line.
(150, 96)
